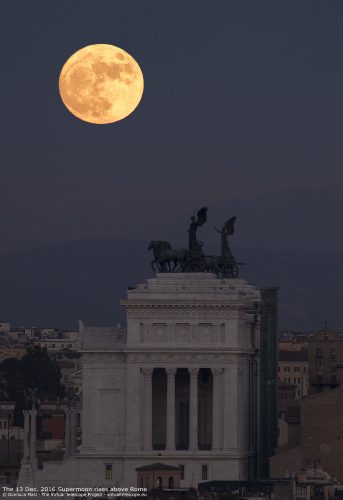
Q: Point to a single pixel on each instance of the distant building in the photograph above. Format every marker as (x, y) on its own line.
(12, 351)
(289, 427)
(71, 372)
(293, 368)
(320, 437)
(286, 395)
(312, 483)
(5, 326)
(57, 344)
(50, 428)
(292, 340)
(325, 351)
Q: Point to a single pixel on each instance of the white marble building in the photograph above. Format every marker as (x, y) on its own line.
(181, 387)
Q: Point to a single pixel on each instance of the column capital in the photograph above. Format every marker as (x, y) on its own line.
(170, 371)
(216, 371)
(193, 372)
(147, 372)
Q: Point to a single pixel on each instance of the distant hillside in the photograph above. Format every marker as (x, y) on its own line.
(294, 219)
(55, 285)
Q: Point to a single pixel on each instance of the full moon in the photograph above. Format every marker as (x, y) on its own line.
(101, 84)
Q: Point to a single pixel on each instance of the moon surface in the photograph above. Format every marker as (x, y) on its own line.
(101, 84)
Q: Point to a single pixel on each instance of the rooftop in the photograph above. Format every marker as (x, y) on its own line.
(158, 466)
(293, 355)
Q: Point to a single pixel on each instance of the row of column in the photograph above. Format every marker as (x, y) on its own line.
(193, 408)
(30, 434)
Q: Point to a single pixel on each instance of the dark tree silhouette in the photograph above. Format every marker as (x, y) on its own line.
(35, 376)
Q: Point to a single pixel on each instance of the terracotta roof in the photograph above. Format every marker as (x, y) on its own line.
(158, 466)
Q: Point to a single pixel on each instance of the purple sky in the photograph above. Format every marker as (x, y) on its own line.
(241, 98)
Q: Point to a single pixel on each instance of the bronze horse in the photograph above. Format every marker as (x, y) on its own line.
(165, 256)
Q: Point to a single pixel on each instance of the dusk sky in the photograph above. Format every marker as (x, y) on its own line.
(241, 98)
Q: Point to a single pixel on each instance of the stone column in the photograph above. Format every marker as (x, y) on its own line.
(73, 412)
(171, 408)
(193, 408)
(33, 437)
(133, 407)
(147, 434)
(26, 434)
(230, 407)
(67, 433)
(216, 409)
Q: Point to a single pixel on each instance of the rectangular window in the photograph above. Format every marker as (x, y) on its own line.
(204, 472)
(108, 471)
(300, 492)
(182, 467)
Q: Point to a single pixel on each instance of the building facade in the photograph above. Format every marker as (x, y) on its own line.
(293, 369)
(181, 387)
(325, 351)
(319, 440)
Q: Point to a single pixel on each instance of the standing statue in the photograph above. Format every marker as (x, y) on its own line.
(229, 267)
(227, 230)
(194, 244)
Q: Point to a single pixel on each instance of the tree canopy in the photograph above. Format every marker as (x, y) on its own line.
(34, 376)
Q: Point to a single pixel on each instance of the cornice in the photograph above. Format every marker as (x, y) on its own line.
(184, 304)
